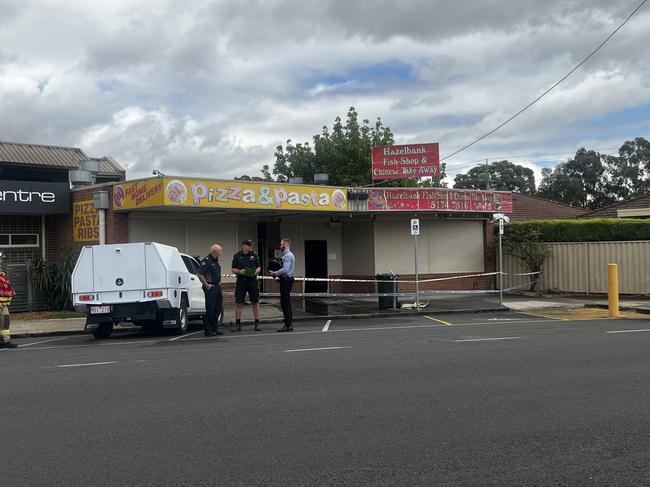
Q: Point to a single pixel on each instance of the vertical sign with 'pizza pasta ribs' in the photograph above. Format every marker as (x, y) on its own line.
(405, 161)
(85, 221)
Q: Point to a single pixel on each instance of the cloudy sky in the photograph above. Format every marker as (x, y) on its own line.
(210, 88)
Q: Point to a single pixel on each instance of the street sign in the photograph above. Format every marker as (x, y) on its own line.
(415, 226)
(500, 227)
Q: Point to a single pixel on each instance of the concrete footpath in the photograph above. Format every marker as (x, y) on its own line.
(324, 310)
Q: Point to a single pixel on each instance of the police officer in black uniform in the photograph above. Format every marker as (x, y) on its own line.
(210, 276)
(246, 265)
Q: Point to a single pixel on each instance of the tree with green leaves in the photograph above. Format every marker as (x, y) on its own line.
(266, 176)
(499, 175)
(580, 181)
(629, 172)
(343, 152)
(526, 245)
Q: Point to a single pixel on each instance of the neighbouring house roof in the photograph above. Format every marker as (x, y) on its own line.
(624, 208)
(55, 157)
(526, 207)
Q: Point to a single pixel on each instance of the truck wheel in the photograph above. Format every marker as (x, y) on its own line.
(104, 330)
(182, 319)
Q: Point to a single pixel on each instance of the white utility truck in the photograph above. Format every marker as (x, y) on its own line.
(149, 284)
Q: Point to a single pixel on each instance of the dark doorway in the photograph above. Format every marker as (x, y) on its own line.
(316, 265)
(268, 240)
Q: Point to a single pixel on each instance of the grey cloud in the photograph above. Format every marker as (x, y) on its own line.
(214, 86)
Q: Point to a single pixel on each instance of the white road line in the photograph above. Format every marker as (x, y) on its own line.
(125, 343)
(327, 325)
(506, 319)
(183, 336)
(370, 328)
(58, 347)
(278, 335)
(315, 349)
(42, 341)
(84, 365)
(486, 339)
(628, 331)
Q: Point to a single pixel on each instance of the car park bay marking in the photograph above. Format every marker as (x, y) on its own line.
(85, 345)
(84, 365)
(438, 320)
(628, 331)
(543, 316)
(486, 339)
(183, 336)
(327, 325)
(42, 341)
(315, 349)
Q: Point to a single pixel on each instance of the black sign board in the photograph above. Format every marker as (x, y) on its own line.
(35, 198)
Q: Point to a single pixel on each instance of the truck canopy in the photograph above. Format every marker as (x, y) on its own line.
(128, 267)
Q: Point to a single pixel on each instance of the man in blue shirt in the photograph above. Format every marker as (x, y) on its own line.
(285, 275)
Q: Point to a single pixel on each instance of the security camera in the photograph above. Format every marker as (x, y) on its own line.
(500, 216)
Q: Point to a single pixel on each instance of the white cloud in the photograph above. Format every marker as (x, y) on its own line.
(212, 87)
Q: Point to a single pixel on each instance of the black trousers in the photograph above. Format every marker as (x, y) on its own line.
(213, 307)
(286, 283)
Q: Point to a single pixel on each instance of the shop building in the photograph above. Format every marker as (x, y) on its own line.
(36, 207)
(35, 197)
(337, 232)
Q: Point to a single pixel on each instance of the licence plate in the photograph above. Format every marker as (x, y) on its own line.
(97, 310)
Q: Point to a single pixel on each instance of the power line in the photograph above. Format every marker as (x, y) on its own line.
(551, 88)
(541, 155)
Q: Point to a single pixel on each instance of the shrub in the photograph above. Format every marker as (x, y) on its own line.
(54, 280)
(585, 230)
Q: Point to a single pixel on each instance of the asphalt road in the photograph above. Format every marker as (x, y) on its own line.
(477, 399)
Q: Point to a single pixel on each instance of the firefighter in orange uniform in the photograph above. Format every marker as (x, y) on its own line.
(6, 293)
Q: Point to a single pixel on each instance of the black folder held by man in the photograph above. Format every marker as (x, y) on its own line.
(274, 265)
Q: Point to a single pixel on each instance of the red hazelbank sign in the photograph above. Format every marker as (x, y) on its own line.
(405, 161)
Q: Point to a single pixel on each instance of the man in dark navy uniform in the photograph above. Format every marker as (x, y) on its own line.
(246, 265)
(210, 276)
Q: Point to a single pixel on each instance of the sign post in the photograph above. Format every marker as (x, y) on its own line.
(500, 263)
(415, 231)
(502, 219)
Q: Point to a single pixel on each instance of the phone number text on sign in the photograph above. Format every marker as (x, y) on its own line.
(440, 200)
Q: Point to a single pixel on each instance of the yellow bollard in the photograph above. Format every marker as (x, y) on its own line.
(612, 290)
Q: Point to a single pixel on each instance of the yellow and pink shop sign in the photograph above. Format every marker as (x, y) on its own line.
(202, 193)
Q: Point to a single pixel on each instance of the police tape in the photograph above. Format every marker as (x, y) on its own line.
(435, 279)
(390, 295)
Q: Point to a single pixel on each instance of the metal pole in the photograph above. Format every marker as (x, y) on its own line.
(500, 265)
(417, 284)
(102, 226)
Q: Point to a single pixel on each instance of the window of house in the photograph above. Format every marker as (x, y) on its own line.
(19, 240)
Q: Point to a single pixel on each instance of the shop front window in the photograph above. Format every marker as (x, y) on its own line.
(19, 240)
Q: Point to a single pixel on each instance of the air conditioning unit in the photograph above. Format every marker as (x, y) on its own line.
(90, 165)
(321, 178)
(80, 177)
